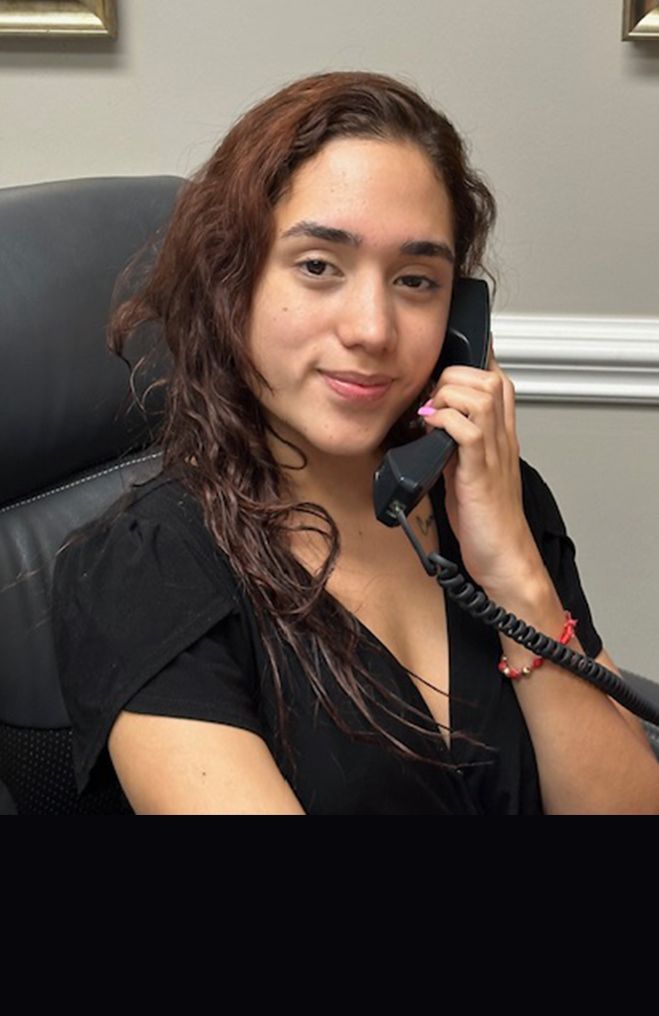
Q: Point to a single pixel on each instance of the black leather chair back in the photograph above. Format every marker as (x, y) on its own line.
(69, 443)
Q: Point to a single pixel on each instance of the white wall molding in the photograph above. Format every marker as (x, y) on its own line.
(579, 359)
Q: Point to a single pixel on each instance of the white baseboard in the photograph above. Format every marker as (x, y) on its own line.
(579, 359)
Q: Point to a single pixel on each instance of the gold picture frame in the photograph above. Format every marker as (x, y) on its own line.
(640, 20)
(56, 18)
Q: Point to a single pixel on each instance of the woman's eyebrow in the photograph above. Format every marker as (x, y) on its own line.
(415, 248)
(428, 249)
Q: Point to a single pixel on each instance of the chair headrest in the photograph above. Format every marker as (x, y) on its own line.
(64, 395)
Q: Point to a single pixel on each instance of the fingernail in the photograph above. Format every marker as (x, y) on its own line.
(425, 411)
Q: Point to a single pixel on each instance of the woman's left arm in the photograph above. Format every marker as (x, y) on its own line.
(592, 754)
(634, 722)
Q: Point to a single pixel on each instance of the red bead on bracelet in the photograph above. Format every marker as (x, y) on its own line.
(565, 636)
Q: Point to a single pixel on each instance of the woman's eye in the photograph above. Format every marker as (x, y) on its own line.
(418, 282)
(314, 266)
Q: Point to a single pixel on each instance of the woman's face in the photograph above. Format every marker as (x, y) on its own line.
(358, 280)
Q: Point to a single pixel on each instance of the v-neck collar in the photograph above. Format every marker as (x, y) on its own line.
(410, 691)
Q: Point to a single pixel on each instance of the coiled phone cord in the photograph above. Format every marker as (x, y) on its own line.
(476, 603)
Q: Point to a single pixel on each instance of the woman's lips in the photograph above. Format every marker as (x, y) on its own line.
(354, 392)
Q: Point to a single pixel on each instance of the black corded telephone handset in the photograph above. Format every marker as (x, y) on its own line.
(407, 473)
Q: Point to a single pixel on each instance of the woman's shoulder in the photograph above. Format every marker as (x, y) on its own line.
(154, 525)
(161, 502)
(164, 498)
(149, 556)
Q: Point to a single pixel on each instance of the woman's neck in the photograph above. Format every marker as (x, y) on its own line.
(343, 486)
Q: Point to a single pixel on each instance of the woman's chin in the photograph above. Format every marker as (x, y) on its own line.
(350, 447)
(343, 442)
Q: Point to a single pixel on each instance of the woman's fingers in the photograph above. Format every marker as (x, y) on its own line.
(483, 483)
(467, 435)
(487, 397)
(481, 405)
(508, 390)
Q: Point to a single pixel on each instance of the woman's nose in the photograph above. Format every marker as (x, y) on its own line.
(366, 315)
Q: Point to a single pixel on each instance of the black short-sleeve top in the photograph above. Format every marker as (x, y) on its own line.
(150, 617)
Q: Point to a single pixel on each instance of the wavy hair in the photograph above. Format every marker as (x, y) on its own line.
(213, 432)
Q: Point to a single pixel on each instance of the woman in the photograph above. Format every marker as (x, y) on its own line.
(244, 636)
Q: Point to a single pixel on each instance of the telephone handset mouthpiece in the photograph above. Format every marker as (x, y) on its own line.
(407, 473)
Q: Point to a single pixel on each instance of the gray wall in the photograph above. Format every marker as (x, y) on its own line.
(602, 465)
(560, 114)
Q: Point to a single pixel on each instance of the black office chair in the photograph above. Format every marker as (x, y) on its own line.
(69, 444)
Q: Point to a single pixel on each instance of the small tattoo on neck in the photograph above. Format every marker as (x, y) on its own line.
(424, 524)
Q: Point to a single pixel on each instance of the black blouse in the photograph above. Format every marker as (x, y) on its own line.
(149, 617)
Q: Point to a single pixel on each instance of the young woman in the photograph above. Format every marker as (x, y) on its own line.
(244, 636)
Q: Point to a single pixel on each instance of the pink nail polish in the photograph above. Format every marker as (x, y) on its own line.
(425, 411)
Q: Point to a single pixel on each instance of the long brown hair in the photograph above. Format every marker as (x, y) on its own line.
(213, 433)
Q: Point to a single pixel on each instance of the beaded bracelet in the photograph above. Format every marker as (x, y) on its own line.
(566, 635)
